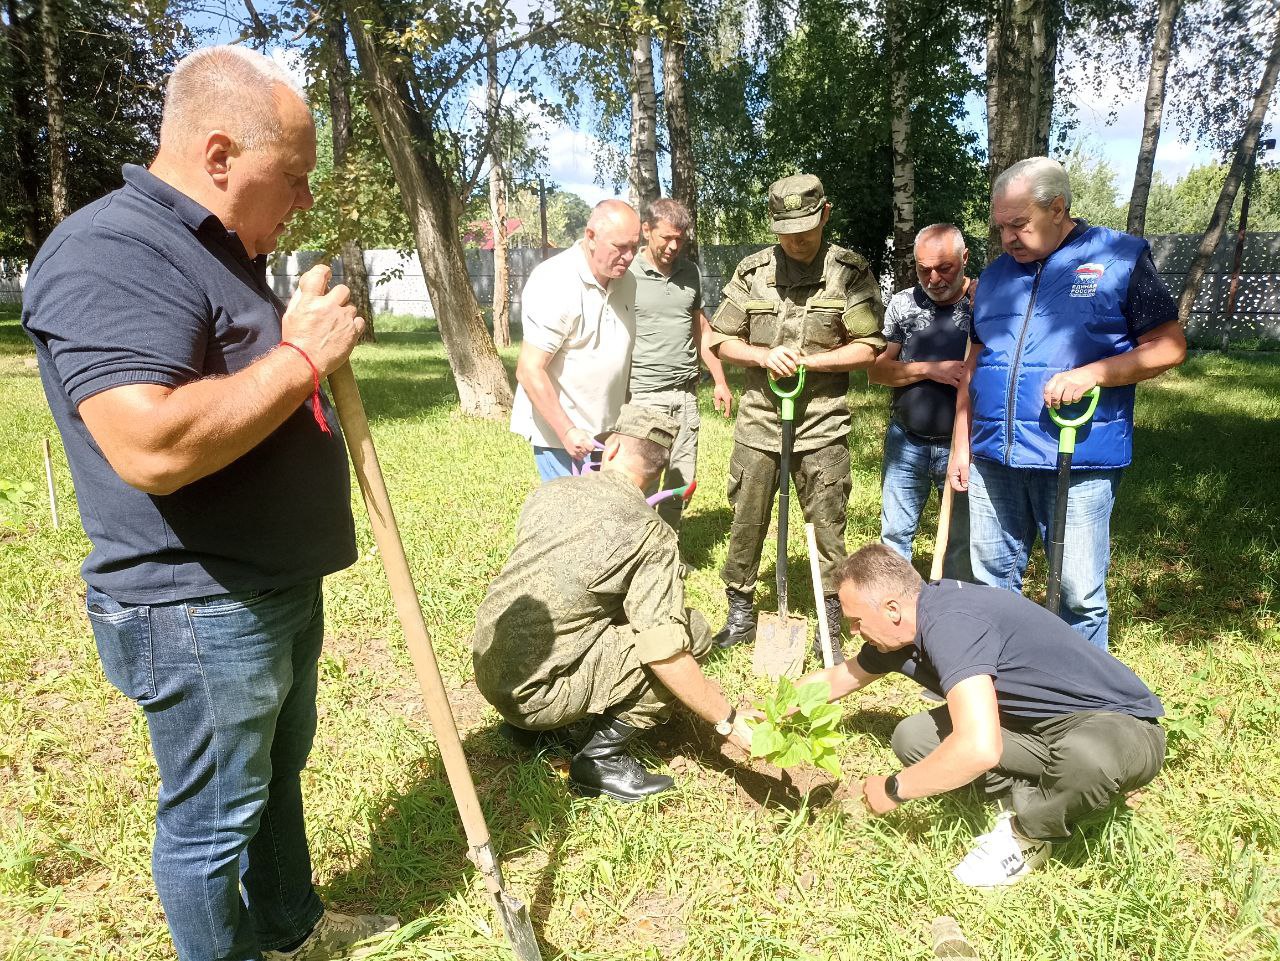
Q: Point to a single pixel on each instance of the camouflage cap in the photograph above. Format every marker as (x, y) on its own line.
(795, 203)
(646, 423)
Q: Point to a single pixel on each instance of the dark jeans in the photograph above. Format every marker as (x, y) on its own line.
(1054, 771)
(228, 686)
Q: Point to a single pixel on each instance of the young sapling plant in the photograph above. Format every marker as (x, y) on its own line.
(800, 727)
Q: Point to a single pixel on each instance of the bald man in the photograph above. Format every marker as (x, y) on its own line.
(212, 481)
(578, 316)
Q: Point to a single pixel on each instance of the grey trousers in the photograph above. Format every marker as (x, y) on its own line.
(1053, 771)
(682, 404)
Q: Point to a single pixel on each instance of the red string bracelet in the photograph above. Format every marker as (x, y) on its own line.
(316, 411)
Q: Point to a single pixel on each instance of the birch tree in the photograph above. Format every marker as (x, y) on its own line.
(642, 170)
(1153, 112)
(675, 101)
(1246, 147)
(497, 199)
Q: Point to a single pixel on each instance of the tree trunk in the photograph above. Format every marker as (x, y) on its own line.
(498, 204)
(1153, 111)
(675, 96)
(1245, 150)
(432, 205)
(26, 155)
(1022, 57)
(904, 168)
(643, 172)
(354, 273)
(54, 102)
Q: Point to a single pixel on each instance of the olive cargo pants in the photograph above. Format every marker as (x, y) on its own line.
(1054, 771)
(822, 487)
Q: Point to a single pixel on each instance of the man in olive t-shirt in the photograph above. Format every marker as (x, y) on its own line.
(671, 336)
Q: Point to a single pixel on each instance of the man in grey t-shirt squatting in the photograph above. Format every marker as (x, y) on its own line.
(670, 328)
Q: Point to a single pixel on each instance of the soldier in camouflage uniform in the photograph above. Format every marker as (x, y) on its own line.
(801, 302)
(584, 635)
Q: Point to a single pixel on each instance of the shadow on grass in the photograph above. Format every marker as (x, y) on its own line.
(13, 340)
(1194, 532)
(702, 532)
(417, 858)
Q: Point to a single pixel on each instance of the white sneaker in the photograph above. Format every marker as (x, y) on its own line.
(340, 936)
(1001, 856)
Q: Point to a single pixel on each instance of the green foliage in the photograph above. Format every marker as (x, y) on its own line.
(367, 190)
(1093, 189)
(114, 57)
(800, 727)
(16, 498)
(762, 112)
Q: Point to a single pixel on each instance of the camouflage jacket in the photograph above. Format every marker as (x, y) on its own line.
(589, 553)
(773, 301)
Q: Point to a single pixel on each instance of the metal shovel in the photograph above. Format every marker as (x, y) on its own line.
(513, 912)
(780, 638)
(1057, 537)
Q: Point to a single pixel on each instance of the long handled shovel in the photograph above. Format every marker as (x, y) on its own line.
(513, 912)
(780, 638)
(1067, 427)
(824, 629)
(944, 531)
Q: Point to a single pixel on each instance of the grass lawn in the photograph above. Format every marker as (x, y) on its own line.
(730, 865)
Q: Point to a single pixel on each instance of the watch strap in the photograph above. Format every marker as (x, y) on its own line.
(891, 789)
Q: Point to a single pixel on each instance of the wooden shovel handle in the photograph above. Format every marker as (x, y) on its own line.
(944, 532)
(346, 397)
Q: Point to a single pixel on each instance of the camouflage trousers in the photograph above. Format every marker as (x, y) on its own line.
(613, 682)
(822, 486)
(681, 404)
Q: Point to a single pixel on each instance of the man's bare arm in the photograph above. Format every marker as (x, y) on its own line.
(958, 464)
(854, 356)
(531, 372)
(159, 439)
(843, 678)
(1158, 350)
(722, 396)
(972, 748)
(891, 372)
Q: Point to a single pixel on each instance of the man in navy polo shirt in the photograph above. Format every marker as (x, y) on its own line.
(212, 481)
(1046, 723)
(1066, 308)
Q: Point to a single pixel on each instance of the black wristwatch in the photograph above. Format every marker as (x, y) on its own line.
(891, 789)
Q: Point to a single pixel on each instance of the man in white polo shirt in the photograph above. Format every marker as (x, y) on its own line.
(579, 324)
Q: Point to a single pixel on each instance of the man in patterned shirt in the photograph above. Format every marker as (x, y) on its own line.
(927, 330)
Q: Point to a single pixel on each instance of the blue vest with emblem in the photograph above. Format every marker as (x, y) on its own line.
(1035, 320)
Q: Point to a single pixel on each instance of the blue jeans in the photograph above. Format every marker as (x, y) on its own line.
(228, 686)
(552, 462)
(1009, 506)
(913, 465)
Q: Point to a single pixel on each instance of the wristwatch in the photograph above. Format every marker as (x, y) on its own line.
(725, 728)
(891, 789)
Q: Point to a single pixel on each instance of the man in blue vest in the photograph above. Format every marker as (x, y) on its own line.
(1066, 308)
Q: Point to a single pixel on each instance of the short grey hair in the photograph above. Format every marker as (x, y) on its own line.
(939, 232)
(1045, 177)
(226, 88)
(672, 211)
(877, 572)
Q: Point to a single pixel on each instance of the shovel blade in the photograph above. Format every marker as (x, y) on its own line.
(518, 926)
(780, 643)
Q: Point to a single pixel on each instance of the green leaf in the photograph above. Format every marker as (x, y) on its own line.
(812, 696)
(796, 752)
(826, 715)
(766, 740)
(829, 763)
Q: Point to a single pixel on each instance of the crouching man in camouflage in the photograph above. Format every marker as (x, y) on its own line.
(584, 637)
(803, 302)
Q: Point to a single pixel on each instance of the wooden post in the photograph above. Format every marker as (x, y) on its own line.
(48, 477)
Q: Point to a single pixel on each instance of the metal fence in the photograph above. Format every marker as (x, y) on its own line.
(398, 287)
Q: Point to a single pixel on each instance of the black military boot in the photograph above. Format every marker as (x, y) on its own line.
(740, 626)
(835, 627)
(602, 766)
(564, 739)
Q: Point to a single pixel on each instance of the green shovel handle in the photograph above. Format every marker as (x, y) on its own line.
(1068, 425)
(788, 397)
